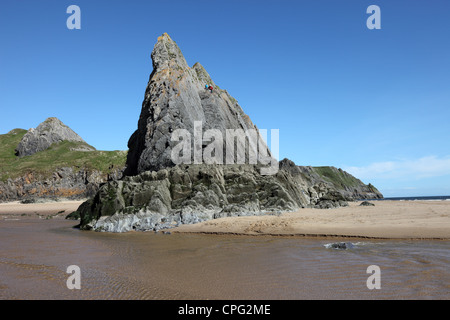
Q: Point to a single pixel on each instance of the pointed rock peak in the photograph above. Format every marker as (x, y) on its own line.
(52, 130)
(52, 119)
(202, 75)
(165, 37)
(198, 66)
(54, 125)
(52, 122)
(167, 54)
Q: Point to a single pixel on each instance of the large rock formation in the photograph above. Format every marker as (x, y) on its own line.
(193, 193)
(175, 99)
(166, 198)
(159, 193)
(47, 133)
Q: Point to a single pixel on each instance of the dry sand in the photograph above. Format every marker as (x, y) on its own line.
(57, 209)
(387, 219)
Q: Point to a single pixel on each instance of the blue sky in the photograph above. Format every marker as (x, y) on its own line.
(373, 102)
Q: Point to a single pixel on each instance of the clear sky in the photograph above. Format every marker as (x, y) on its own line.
(373, 102)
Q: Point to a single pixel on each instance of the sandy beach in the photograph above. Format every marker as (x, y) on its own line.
(57, 209)
(386, 220)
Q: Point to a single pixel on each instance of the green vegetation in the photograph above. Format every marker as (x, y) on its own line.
(57, 156)
(337, 177)
(8, 144)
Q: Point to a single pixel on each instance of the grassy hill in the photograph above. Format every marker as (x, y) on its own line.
(44, 163)
(341, 179)
(336, 177)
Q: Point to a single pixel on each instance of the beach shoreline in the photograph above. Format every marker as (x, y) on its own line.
(388, 219)
(42, 210)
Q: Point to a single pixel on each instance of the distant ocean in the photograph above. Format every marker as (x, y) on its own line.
(417, 198)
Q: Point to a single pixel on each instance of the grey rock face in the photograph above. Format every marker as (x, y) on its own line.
(175, 98)
(48, 132)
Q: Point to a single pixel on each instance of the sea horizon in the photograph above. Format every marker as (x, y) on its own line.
(411, 198)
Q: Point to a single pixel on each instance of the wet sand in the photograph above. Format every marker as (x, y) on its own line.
(386, 220)
(36, 251)
(35, 254)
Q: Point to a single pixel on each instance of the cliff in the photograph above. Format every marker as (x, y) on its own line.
(176, 99)
(160, 192)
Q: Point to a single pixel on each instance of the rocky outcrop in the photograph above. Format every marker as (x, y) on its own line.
(340, 245)
(158, 193)
(64, 183)
(340, 180)
(162, 199)
(192, 193)
(47, 133)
